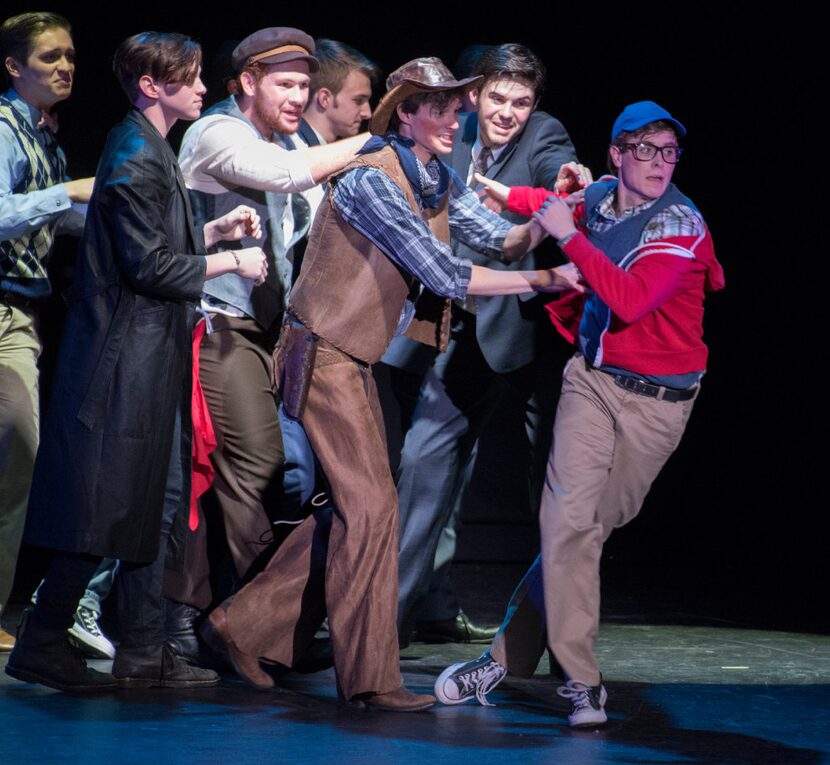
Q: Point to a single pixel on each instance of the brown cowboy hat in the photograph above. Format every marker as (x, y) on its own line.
(420, 74)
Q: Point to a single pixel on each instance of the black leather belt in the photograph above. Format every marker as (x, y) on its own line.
(660, 392)
(16, 299)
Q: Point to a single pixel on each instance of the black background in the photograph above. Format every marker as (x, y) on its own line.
(738, 514)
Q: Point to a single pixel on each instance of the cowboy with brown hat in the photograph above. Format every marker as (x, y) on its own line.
(378, 264)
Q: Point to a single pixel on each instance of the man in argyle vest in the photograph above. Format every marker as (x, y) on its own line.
(38, 60)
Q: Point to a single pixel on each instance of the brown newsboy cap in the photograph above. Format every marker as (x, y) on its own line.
(273, 46)
(420, 74)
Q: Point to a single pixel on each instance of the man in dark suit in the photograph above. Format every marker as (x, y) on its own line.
(494, 351)
(112, 475)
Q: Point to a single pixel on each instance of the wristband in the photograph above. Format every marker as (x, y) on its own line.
(565, 239)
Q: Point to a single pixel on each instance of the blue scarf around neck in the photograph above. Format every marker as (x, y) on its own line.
(429, 191)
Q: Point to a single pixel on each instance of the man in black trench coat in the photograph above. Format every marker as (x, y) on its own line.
(112, 475)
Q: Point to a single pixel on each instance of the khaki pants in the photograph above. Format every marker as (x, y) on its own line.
(609, 444)
(275, 616)
(19, 421)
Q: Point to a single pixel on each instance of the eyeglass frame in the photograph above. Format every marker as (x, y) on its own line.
(634, 146)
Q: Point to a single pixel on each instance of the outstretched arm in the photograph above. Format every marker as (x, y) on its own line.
(522, 238)
(230, 152)
(25, 212)
(488, 281)
(331, 158)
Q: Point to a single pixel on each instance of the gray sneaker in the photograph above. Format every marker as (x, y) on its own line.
(469, 679)
(587, 703)
(87, 635)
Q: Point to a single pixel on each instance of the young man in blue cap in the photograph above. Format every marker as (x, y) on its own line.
(646, 253)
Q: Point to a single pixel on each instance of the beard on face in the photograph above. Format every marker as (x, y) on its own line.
(272, 118)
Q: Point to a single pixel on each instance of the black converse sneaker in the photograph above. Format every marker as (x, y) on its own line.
(587, 703)
(87, 635)
(469, 679)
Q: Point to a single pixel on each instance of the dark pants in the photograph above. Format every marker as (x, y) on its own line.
(141, 606)
(458, 398)
(235, 372)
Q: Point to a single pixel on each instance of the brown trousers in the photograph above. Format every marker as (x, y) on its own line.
(275, 616)
(235, 372)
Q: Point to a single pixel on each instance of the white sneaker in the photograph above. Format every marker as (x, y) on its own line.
(88, 636)
(587, 703)
(469, 679)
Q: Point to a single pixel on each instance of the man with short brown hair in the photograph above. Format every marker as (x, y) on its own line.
(37, 202)
(112, 472)
(340, 91)
(498, 357)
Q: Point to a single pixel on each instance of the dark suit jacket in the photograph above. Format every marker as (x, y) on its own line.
(125, 359)
(507, 328)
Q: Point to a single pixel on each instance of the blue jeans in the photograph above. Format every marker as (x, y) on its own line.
(100, 585)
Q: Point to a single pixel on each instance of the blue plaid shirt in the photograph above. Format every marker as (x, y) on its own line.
(370, 201)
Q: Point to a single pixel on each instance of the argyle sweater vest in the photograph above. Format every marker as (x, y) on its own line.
(22, 260)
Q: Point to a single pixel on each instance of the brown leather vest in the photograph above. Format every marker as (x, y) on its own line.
(350, 294)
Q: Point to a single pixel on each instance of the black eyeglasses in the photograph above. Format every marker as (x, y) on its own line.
(645, 151)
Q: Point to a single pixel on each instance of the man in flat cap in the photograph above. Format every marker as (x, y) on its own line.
(240, 152)
(382, 233)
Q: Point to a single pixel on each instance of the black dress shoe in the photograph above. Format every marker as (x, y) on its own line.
(47, 657)
(458, 630)
(158, 666)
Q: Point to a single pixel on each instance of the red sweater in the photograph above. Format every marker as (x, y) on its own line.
(656, 302)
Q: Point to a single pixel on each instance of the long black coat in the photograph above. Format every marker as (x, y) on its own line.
(125, 360)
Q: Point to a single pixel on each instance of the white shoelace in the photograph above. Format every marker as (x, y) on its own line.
(578, 694)
(89, 620)
(483, 680)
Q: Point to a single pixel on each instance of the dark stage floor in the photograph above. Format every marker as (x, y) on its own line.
(682, 688)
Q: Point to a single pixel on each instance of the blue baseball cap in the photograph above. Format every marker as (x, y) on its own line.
(635, 116)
